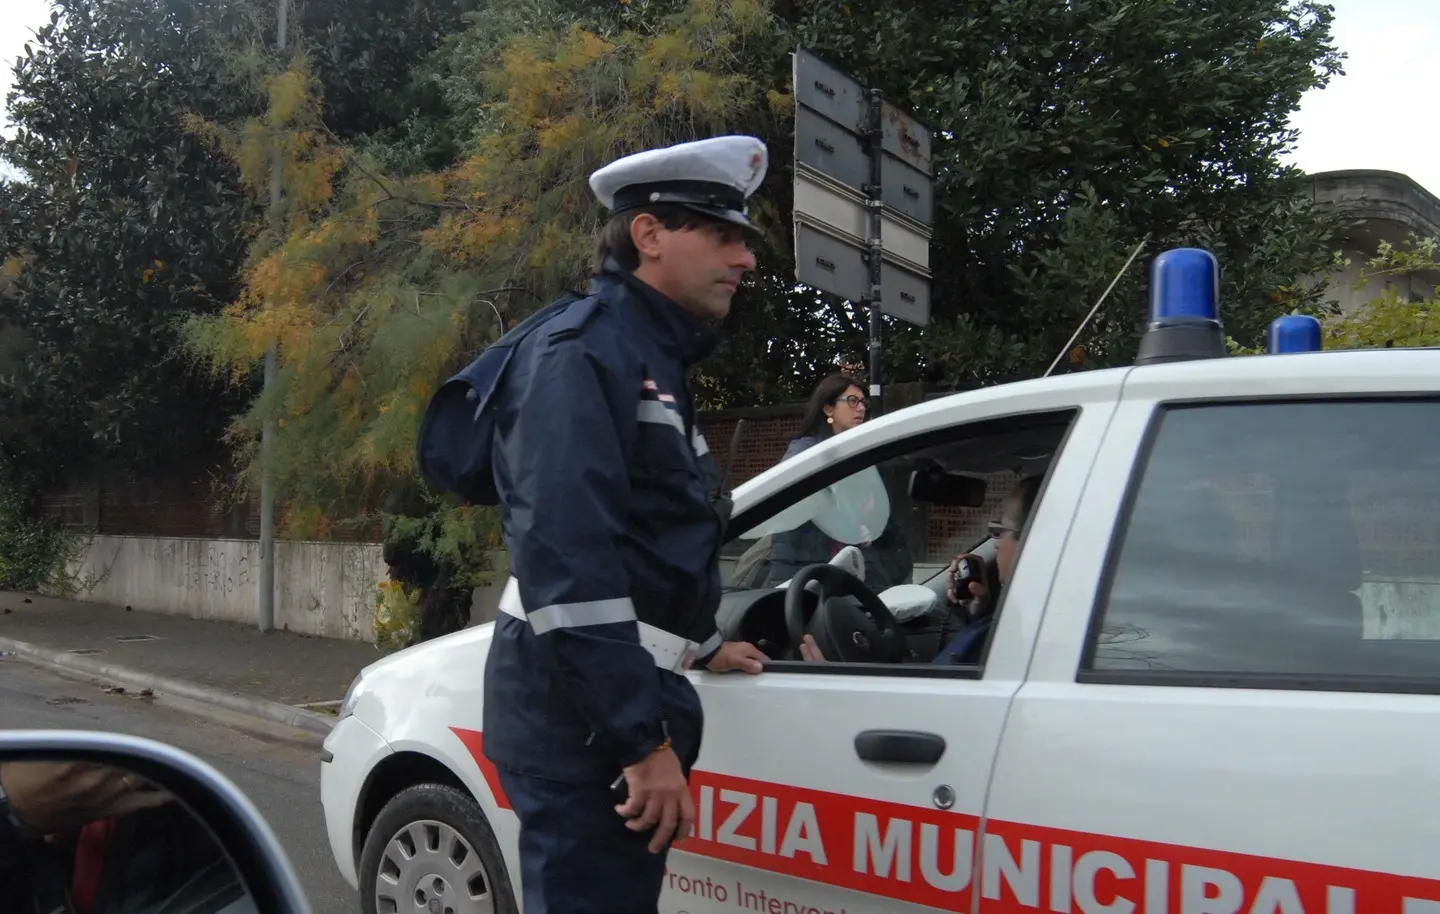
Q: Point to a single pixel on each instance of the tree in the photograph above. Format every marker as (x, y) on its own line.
(127, 219)
(1066, 130)
(121, 221)
(1390, 319)
(379, 286)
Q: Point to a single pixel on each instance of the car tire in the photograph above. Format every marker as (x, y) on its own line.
(432, 840)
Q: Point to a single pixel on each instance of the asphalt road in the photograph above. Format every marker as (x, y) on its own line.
(280, 775)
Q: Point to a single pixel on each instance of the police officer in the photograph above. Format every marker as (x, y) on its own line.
(607, 494)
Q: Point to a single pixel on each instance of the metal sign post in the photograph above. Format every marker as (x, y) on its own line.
(266, 594)
(877, 250)
(864, 201)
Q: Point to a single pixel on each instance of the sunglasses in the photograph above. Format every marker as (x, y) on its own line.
(996, 529)
(853, 401)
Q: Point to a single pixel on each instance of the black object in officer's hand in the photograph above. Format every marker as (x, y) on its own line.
(620, 790)
(968, 569)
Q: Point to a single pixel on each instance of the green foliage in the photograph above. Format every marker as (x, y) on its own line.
(120, 222)
(37, 555)
(1390, 319)
(460, 536)
(127, 221)
(1236, 349)
(435, 157)
(1066, 132)
(383, 283)
(396, 616)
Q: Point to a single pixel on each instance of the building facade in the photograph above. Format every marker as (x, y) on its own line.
(1386, 206)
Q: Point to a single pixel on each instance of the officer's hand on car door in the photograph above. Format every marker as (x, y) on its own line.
(659, 798)
(737, 655)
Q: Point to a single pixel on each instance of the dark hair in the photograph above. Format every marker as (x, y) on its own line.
(1022, 498)
(826, 393)
(614, 238)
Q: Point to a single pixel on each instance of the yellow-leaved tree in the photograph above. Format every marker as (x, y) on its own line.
(375, 286)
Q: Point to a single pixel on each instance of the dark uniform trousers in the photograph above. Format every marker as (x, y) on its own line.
(577, 856)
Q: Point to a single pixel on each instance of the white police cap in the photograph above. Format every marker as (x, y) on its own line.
(714, 177)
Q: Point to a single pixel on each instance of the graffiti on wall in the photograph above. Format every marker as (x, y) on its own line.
(207, 568)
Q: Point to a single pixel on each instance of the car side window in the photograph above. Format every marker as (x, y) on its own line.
(903, 512)
(1283, 544)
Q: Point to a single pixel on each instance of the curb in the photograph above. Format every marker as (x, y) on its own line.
(265, 709)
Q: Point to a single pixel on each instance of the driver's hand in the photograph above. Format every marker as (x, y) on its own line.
(810, 651)
(737, 655)
(976, 590)
(54, 797)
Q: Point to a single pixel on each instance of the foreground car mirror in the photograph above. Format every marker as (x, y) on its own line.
(109, 824)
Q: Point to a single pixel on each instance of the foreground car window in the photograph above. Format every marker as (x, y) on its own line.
(902, 540)
(1286, 544)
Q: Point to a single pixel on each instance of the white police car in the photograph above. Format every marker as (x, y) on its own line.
(1211, 686)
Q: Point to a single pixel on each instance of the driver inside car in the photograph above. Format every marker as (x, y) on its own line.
(967, 645)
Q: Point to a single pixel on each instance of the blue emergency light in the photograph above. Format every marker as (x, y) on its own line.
(1184, 308)
(1293, 333)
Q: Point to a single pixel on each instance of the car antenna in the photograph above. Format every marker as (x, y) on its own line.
(730, 458)
(1104, 295)
(720, 499)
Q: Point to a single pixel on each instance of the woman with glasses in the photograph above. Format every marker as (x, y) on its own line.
(837, 405)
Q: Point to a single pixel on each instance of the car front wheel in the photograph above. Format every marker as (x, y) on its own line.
(431, 850)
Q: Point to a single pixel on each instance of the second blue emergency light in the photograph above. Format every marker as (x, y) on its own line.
(1184, 308)
(1293, 333)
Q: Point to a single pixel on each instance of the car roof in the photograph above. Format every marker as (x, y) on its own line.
(1278, 374)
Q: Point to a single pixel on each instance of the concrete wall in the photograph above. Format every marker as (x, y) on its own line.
(320, 588)
(325, 589)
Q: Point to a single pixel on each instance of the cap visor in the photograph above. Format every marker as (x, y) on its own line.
(725, 215)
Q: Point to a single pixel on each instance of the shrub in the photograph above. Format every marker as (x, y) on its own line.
(37, 555)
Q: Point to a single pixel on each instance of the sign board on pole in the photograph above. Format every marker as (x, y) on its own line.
(833, 165)
(837, 266)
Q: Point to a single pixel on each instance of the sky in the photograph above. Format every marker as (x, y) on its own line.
(1379, 115)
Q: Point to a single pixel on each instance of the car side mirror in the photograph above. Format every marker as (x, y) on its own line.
(118, 824)
(933, 485)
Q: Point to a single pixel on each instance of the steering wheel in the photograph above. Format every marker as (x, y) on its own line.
(867, 634)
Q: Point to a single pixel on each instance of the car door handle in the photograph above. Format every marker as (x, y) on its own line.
(908, 747)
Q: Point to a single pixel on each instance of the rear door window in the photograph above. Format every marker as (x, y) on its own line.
(1279, 544)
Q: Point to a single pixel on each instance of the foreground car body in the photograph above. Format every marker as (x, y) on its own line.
(1211, 685)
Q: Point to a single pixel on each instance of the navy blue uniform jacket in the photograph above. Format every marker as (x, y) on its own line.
(606, 494)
